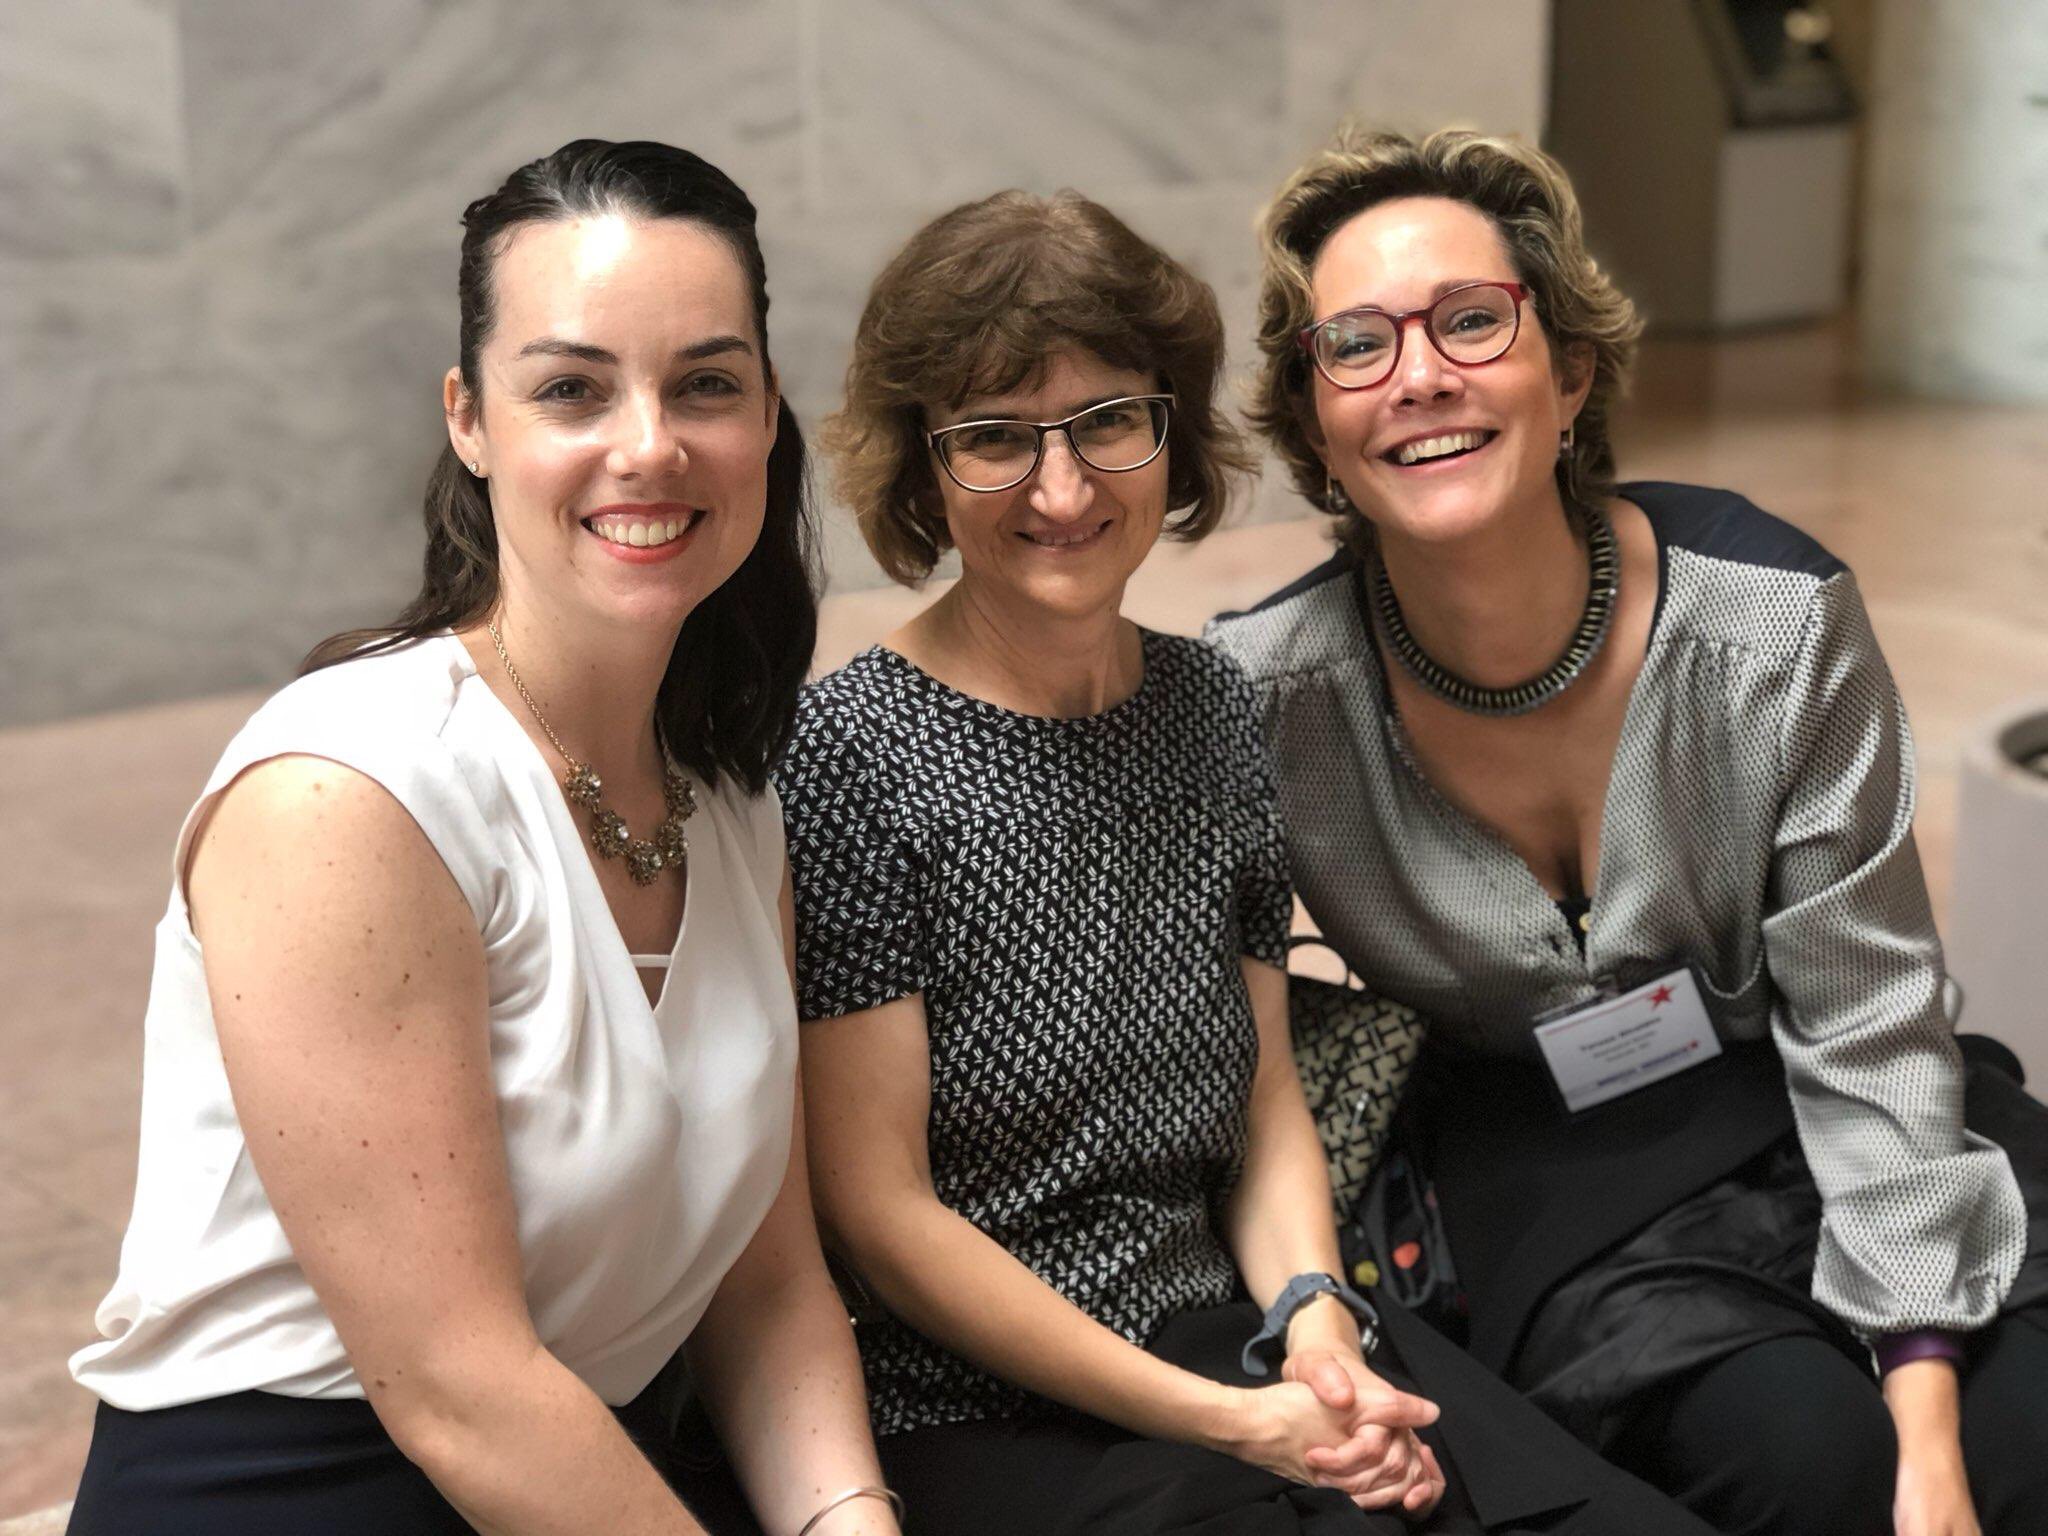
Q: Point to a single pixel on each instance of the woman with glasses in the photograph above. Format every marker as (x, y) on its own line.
(1042, 910)
(1611, 784)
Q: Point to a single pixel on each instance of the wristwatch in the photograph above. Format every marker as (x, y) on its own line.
(1295, 1295)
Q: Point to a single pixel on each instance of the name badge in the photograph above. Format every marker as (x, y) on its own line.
(1615, 1045)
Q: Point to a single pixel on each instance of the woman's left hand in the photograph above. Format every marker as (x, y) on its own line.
(1383, 1465)
(1933, 1499)
(1932, 1494)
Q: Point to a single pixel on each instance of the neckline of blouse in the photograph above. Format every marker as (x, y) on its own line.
(1117, 714)
(1470, 827)
(578, 867)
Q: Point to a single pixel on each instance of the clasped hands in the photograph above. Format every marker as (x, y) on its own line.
(1380, 1462)
(1332, 1422)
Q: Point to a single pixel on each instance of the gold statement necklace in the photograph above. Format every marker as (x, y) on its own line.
(645, 859)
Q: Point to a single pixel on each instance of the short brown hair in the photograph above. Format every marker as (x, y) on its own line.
(1529, 200)
(975, 304)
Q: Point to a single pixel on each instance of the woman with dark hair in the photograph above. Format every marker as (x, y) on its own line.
(1043, 911)
(1610, 783)
(469, 1075)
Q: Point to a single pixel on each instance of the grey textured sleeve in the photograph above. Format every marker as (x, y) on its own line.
(1922, 1222)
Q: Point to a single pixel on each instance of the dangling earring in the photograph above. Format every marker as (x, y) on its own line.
(1568, 465)
(1333, 495)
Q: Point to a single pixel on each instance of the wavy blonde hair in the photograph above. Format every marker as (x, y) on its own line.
(975, 304)
(1529, 201)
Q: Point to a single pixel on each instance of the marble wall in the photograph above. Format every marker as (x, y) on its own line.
(228, 231)
(1955, 239)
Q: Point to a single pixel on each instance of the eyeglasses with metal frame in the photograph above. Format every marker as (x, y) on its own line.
(1112, 435)
(1470, 326)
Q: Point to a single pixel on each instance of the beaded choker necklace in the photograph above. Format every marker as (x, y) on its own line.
(1603, 582)
(645, 859)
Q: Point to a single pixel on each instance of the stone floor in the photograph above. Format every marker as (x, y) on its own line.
(1940, 508)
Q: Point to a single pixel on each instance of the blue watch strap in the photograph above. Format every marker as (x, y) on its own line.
(1295, 1295)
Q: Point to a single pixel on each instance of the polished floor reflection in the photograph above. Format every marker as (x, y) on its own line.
(1939, 508)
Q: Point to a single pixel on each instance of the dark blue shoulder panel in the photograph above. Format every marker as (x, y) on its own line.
(1723, 525)
(1340, 564)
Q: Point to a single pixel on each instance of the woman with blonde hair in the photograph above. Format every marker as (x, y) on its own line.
(1042, 918)
(1611, 784)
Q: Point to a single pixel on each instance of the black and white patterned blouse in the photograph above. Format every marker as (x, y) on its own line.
(1758, 825)
(1071, 897)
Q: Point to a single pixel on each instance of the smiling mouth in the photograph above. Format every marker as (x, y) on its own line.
(1067, 538)
(642, 532)
(1445, 445)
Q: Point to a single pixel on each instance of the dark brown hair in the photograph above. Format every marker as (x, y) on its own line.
(1529, 200)
(975, 304)
(729, 697)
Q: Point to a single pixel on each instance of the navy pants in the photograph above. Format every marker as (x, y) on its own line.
(258, 1462)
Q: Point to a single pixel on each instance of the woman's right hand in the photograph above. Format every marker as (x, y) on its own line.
(1276, 1427)
(1378, 1462)
(1385, 1464)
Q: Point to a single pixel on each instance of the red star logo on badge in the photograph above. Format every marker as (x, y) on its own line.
(1660, 997)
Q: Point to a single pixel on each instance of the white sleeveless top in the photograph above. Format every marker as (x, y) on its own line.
(645, 1144)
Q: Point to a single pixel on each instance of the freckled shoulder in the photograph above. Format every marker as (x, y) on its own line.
(307, 854)
(348, 753)
(314, 813)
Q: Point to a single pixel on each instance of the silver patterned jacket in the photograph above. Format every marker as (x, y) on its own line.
(1758, 825)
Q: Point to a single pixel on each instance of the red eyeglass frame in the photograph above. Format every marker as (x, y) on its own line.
(1305, 337)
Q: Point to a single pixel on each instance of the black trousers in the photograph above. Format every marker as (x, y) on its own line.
(1694, 1354)
(257, 1462)
(1508, 1468)
(1791, 1438)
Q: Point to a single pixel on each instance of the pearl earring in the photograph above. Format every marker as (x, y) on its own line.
(475, 469)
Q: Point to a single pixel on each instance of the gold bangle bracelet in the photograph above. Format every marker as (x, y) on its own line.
(895, 1503)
